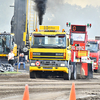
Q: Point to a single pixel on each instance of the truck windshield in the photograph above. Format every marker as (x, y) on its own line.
(48, 41)
(78, 36)
(92, 47)
(4, 44)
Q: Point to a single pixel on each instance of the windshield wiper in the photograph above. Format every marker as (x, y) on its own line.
(60, 46)
(47, 46)
(37, 46)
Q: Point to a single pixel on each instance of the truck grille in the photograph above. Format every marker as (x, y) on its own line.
(48, 55)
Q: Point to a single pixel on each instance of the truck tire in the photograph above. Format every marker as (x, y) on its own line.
(69, 73)
(32, 75)
(67, 76)
(74, 74)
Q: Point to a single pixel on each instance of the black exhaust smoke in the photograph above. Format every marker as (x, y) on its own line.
(40, 8)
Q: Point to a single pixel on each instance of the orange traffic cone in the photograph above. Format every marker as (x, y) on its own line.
(26, 93)
(72, 93)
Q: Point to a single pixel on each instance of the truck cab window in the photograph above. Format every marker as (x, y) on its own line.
(92, 47)
(48, 41)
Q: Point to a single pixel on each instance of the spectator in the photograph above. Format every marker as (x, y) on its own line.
(21, 60)
(11, 57)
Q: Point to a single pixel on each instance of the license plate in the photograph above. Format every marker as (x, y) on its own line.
(47, 67)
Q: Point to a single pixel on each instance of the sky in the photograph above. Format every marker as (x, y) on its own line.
(58, 12)
(6, 13)
(79, 12)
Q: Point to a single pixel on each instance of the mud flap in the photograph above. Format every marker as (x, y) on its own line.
(81, 70)
(78, 68)
(87, 70)
(84, 70)
(90, 71)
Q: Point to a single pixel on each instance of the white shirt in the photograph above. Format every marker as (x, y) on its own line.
(11, 55)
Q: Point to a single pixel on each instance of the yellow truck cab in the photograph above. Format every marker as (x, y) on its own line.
(50, 53)
(6, 44)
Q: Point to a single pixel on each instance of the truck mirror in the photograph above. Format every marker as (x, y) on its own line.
(71, 41)
(13, 40)
(69, 47)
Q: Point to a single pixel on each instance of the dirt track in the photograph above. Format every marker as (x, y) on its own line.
(12, 88)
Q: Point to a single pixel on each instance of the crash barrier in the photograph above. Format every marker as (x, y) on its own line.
(72, 93)
(26, 93)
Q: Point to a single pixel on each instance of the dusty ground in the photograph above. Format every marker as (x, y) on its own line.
(12, 88)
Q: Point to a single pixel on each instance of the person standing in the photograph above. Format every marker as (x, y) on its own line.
(11, 57)
(21, 60)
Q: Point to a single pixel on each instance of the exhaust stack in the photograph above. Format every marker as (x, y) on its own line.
(40, 8)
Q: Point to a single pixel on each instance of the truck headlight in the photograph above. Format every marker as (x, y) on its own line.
(62, 64)
(32, 64)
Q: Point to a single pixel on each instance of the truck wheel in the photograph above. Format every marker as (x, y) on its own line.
(69, 73)
(32, 75)
(74, 74)
(67, 76)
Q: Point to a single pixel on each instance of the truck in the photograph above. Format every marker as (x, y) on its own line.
(48, 58)
(6, 44)
(93, 46)
(80, 57)
(50, 53)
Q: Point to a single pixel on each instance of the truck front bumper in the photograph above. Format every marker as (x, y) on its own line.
(45, 68)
